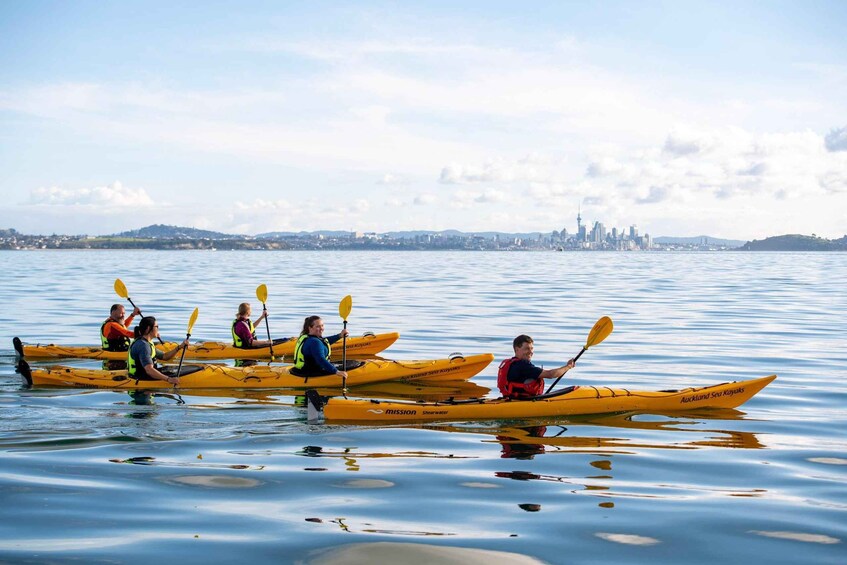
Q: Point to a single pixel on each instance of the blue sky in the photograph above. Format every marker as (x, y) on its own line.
(721, 118)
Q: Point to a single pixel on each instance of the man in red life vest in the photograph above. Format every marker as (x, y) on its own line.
(114, 332)
(518, 378)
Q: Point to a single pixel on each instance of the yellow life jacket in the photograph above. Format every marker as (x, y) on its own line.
(236, 340)
(299, 358)
(131, 366)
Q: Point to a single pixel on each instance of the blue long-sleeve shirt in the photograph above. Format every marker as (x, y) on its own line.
(316, 353)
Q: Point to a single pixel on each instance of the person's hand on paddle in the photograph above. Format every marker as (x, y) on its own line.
(136, 311)
(344, 333)
(173, 380)
(342, 374)
(262, 316)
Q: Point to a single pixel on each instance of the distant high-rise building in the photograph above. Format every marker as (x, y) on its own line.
(633, 231)
(598, 233)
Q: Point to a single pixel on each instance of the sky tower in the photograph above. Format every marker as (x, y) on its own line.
(579, 219)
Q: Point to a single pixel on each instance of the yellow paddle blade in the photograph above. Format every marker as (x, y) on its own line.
(120, 288)
(262, 293)
(600, 331)
(193, 319)
(345, 306)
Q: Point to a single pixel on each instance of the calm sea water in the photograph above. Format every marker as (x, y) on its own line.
(88, 476)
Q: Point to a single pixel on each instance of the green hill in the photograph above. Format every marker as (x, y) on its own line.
(796, 242)
(161, 231)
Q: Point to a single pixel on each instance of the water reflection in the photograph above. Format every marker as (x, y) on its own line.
(514, 448)
(525, 442)
(586, 434)
(152, 461)
(351, 455)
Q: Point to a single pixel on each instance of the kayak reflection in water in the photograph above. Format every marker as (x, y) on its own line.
(312, 351)
(512, 448)
(244, 331)
(518, 378)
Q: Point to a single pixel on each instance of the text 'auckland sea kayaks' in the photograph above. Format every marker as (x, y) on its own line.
(357, 346)
(570, 401)
(262, 376)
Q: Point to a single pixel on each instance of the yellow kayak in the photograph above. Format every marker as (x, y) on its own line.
(397, 390)
(363, 346)
(570, 401)
(261, 376)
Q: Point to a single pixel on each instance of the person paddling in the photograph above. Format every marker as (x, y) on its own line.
(312, 351)
(244, 331)
(141, 359)
(114, 332)
(518, 378)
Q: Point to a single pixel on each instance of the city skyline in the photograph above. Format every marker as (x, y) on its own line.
(726, 118)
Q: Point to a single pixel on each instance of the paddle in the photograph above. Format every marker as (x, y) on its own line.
(120, 288)
(262, 295)
(344, 308)
(191, 321)
(598, 333)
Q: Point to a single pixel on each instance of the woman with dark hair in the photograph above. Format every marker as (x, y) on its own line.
(312, 351)
(141, 360)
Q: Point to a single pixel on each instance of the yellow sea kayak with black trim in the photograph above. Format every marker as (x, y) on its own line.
(570, 401)
(358, 346)
(262, 376)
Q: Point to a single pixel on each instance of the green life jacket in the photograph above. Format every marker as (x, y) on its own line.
(236, 340)
(131, 366)
(115, 344)
(299, 358)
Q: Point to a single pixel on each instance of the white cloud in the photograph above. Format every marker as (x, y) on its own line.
(836, 140)
(424, 199)
(392, 179)
(682, 142)
(110, 196)
(360, 206)
(533, 168)
(492, 195)
(654, 195)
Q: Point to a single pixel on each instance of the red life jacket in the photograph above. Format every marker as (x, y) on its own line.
(516, 390)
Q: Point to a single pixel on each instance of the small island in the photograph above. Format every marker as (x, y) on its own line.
(795, 242)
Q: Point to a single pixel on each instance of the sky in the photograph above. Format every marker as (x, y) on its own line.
(726, 119)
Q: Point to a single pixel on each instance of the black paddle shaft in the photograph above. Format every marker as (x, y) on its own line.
(344, 361)
(268, 327)
(584, 349)
(142, 315)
